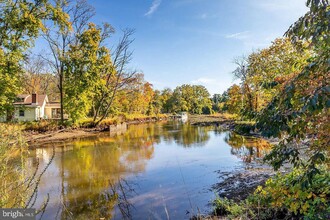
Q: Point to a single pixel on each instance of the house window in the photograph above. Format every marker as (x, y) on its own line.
(21, 113)
(56, 113)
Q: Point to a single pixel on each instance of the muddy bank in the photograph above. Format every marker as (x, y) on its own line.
(242, 128)
(240, 184)
(35, 138)
(58, 136)
(205, 120)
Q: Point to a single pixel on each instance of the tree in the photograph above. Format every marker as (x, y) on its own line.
(192, 98)
(216, 100)
(233, 104)
(264, 73)
(20, 24)
(300, 112)
(270, 68)
(59, 39)
(116, 80)
(241, 73)
(37, 79)
(157, 102)
(86, 67)
(166, 100)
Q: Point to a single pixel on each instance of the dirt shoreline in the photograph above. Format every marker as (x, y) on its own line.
(59, 136)
(35, 139)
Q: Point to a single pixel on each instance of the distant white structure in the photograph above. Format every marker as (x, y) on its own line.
(184, 116)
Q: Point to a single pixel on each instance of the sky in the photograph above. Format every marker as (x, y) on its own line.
(195, 41)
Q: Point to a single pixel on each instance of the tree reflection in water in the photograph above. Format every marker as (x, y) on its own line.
(93, 177)
(187, 135)
(247, 148)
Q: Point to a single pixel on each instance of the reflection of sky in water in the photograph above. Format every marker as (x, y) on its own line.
(171, 168)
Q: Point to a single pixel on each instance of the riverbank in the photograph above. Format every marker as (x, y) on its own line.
(49, 131)
(43, 132)
(232, 123)
(58, 136)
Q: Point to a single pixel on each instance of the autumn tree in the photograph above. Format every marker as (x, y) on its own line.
(137, 97)
(234, 101)
(300, 112)
(299, 116)
(270, 68)
(264, 72)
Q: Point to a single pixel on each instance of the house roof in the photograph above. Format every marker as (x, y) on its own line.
(26, 100)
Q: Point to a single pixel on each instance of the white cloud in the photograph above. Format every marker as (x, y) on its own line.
(239, 36)
(153, 8)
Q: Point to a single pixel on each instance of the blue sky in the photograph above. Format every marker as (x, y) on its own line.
(194, 41)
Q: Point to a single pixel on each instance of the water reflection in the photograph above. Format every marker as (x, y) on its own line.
(92, 178)
(183, 134)
(89, 167)
(247, 148)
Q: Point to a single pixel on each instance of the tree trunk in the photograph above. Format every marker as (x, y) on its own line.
(61, 95)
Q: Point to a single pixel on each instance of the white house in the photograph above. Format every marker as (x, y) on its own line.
(35, 107)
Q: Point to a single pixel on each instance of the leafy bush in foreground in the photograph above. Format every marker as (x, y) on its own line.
(283, 197)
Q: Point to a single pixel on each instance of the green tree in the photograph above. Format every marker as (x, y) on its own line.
(117, 80)
(157, 102)
(20, 24)
(86, 67)
(166, 95)
(191, 98)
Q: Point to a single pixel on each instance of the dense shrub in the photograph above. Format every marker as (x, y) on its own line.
(285, 192)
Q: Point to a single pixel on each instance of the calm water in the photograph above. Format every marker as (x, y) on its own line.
(152, 171)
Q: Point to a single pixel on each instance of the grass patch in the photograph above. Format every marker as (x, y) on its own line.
(40, 126)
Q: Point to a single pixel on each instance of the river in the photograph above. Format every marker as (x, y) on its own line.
(161, 170)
